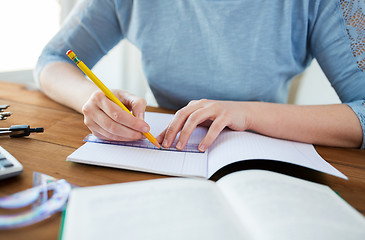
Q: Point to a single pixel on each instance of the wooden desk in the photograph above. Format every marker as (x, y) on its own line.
(64, 132)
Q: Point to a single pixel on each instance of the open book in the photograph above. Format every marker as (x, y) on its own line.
(250, 204)
(229, 147)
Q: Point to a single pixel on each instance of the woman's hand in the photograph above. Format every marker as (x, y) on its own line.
(106, 120)
(215, 114)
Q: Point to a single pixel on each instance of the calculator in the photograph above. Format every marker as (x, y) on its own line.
(9, 166)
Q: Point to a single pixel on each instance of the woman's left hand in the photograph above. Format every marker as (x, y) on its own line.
(215, 114)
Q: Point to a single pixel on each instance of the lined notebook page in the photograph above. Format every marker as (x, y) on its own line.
(140, 159)
(229, 147)
(174, 163)
(232, 146)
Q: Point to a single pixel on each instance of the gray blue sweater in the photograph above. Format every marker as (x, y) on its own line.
(236, 50)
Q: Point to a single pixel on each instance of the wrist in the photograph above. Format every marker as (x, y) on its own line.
(248, 114)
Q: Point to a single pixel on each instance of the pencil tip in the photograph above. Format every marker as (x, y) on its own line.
(157, 145)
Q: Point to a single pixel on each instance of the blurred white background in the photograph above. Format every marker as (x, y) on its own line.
(27, 25)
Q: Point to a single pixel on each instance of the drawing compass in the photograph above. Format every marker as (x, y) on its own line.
(19, 131)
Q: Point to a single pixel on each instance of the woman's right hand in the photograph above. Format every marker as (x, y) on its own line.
(106, 120)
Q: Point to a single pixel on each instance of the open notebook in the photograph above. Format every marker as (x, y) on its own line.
(250, 204)
(229, 147)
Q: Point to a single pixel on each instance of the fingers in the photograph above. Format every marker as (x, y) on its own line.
(213, 132)
(186, 121)
(107, 120)
(161, 136)
(195, 118)
(122, 117)
(219, 114)
(136, 104)
(177, 123)
(105, 128)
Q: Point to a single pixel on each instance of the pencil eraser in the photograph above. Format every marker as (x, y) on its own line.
(68, 52)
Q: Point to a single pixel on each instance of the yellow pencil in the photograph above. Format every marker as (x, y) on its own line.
(105, 90)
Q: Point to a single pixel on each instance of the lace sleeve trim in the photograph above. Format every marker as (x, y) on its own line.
(353, 12)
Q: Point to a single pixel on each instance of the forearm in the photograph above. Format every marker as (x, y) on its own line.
(330, 125)
(66, 84)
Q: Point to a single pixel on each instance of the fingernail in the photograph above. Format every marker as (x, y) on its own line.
(145, 130)
(178, 145)
(165, 143)
(202, 148)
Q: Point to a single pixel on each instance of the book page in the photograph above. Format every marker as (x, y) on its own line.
(232, 146)
(158, 209)
(276, 206)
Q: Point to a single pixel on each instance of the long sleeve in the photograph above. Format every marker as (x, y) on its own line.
(91, 30)
(337, 39)
(206, 49)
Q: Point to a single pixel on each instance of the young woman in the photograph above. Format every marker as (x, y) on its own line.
(219, 63)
